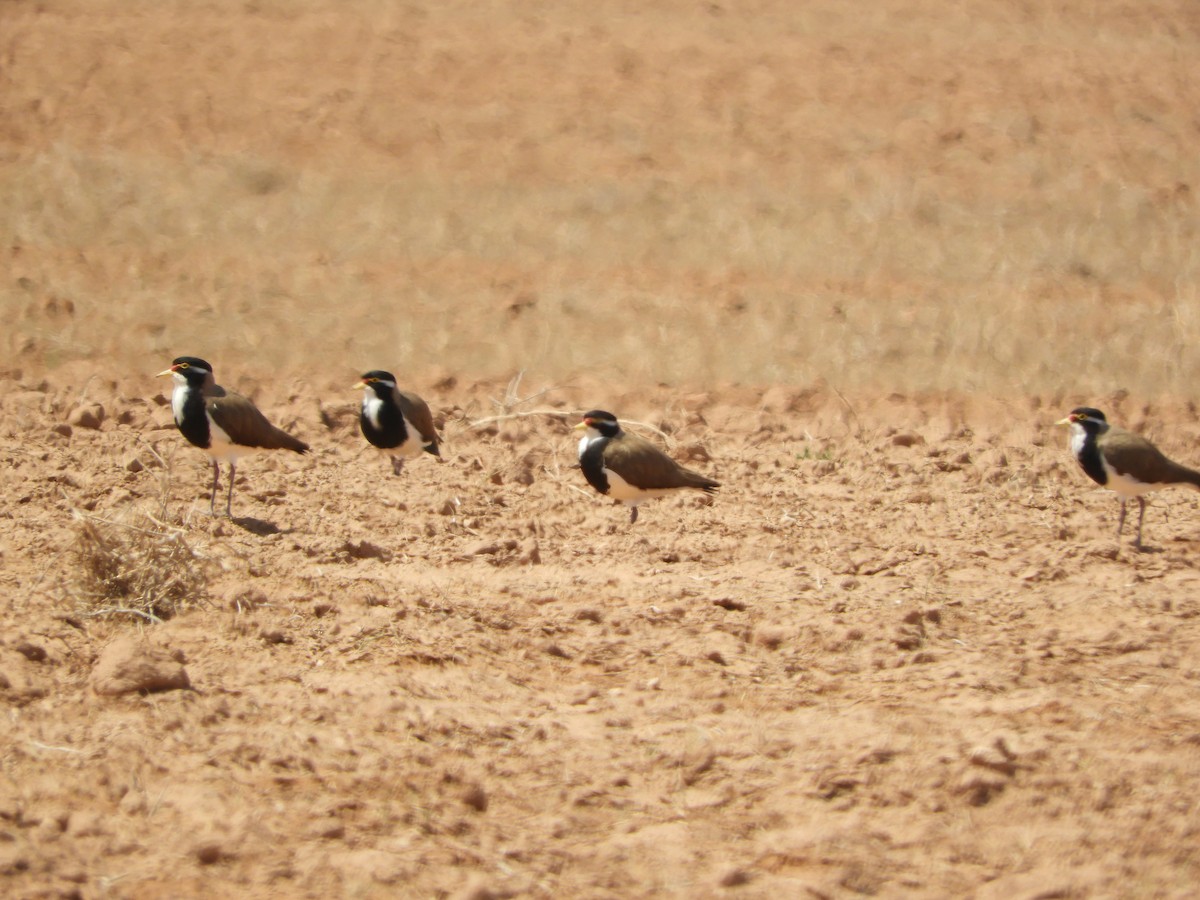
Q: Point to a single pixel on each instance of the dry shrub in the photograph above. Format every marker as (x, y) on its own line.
(142, 568)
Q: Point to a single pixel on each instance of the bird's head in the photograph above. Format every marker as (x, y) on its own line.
(379, 381)
(190, 370)
(1085, 417)
(598, 423)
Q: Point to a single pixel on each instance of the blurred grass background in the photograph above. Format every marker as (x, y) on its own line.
(908, 195)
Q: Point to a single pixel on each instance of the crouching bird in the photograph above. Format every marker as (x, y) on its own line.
(629, 468)
(396, 421)
(1122, 461)
(223, 423)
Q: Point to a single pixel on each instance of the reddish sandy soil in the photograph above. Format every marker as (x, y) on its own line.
(902, 653)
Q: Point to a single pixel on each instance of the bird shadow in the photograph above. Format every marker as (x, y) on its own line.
(260, 527)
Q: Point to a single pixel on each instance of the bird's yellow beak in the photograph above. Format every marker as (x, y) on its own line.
(358, 384)
(581, 426)
(170, 371)
(1066, 421)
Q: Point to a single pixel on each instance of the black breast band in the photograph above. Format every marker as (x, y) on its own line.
(194, 420)
(1089, 458)
(591, 461)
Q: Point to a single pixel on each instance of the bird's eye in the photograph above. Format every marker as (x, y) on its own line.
(184, 366)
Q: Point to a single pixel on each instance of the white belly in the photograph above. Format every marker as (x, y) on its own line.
(631, 495)
(1127, 485)
(413, 444)
(220, 447)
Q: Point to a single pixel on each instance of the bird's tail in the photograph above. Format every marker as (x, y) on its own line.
(1189, 476)
(287, 442)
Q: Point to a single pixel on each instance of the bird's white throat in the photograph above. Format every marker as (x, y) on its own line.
(1078, 438)
(371, 407)
(178, 396)
(589, 435)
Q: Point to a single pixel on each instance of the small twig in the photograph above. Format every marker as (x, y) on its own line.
(853, 414)
(667, 439)
(551, 413)
(512, 399)
(40, 746)
(554, 468)
(804, 510)
(83, 391)
(176, 532)
(13, 448)
(162, 462)
(117, 610)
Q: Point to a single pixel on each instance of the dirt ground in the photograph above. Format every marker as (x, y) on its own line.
(901, 653)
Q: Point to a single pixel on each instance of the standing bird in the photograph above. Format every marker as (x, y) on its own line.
(395, 420)
(1123, 461)
(629, 468)
(222, 422)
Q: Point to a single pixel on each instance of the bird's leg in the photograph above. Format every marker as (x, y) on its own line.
(1141, 512)
(229, 498)
(212, 497)
(397, 465)
(1121, 519)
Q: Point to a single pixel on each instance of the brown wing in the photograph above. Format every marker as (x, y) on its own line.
(647, 467)
(417, 411)
(1133, 455)
(245, 425)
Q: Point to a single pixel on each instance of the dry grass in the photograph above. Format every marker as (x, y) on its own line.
(141, 568)
(140, 564)
(989, 198)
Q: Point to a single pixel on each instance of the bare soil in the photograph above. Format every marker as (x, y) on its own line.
(901, 653)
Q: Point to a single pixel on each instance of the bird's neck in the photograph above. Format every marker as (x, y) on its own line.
(372, 406)
(591, 438)
(187, 403)
(1085, 445)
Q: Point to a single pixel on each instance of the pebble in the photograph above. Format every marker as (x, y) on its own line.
(129, 665)
(734, 877)
(89, 416)
(475, 797)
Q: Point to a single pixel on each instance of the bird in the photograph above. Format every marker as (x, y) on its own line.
(1122, 461)
(394, 420)
(629, 468)
(221, 422)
